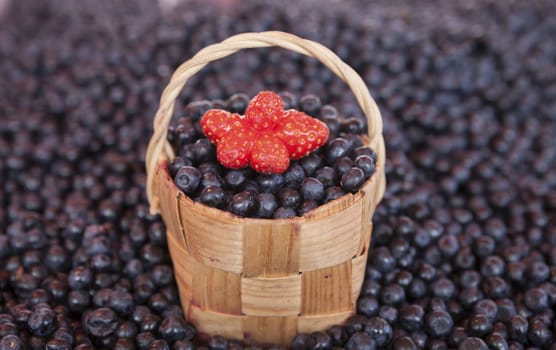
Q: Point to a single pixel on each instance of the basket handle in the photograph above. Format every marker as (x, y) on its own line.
(158, 149)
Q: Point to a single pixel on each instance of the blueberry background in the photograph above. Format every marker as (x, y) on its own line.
(464, 245)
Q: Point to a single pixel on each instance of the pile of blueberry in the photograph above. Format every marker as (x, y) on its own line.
(463, 248)
(341, 166)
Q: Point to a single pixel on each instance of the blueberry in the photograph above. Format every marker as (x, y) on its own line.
(379, 330)
(289, 198)
(310, 104)
(473, 343)
(243, 203)
(411, 317)
(267, 205)
(211, 179)
(403, 343)
(479, 325)
(284, 213)
(188, 179)
(311, 163)
(312, 189)
(237, 103)
(336, 149)
(327, 176)
(294, 175)
(214, 196)
(235, 179)
(438, 323)
(11, 342)
(368, 306)
(332, 193)
(101, 322)
(365, 163)
(496, 341)
(195, 110)
(361, 341)
(42, 321)
(270, 182)
(177, 164)
(352, 180)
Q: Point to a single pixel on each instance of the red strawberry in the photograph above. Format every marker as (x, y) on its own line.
(264, 110)
(269, 156)
(216, 123)
(234, 149)
(301, 133)
(266, 138)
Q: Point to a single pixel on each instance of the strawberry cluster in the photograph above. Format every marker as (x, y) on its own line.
(266, 137)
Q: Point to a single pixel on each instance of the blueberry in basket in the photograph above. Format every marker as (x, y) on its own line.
(256, 159)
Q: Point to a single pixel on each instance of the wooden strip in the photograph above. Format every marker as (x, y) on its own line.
(367, 211)
(327, 290)
(216, 290)
(271, 248)
(213, 323)
(269, 330)
(168, 194)
(331, 240)
(309, 324)
(358, 266)
(271, 296)
(214, 237)
(184, 265)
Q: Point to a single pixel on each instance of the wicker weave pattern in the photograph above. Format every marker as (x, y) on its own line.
(263, 280)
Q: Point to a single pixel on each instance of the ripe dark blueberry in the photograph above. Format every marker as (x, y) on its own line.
(379, 330)
(312, 189)
(539, 334)
(188, 179)
(267, 205)
(473, 343)
(438, 323)
(284, 213)
(479, 325)
(307, 206)
(211, 179)
(336, 149)
(294, 175)
(11, 342)
(149, 323)
(289, 198)
(42, 321)
(124, 344)
(411, 317)
(127, 330)
(195, 110)
(492, 266)
(388, 313)
(537, 272)
(352, 180)
(483, 246)
(214, 196)
(536, 299)
(495, 287)
(101, 322)
(159, 344)
(327, 176)
(496, 341)
(243, 203)
(382, 259)
(234, 179)
(218, 343)
(443, 288)
(79, 277)
(177, 164)
(518, 328)
(183, 345)
(332, 193)
(311, 163)
(361, 341)
(365, 163)
(367, 306)
(353, 126)
(57, 344)
(237, 103)
(144, 340)
(470, 296)
(342, 165)
(270, 182)
(403, 343)
(310, 104)
(486, 307)
(392, 294)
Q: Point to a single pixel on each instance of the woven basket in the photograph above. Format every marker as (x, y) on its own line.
(264, 280)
